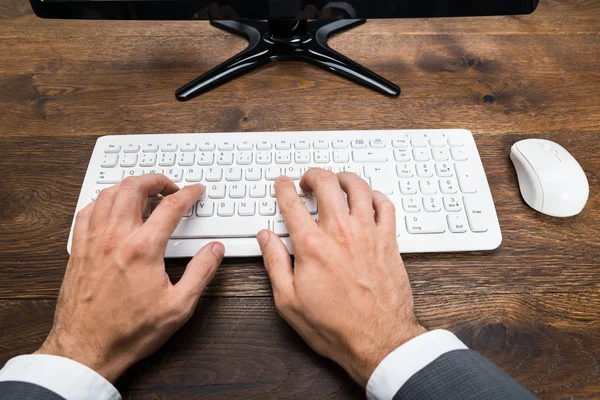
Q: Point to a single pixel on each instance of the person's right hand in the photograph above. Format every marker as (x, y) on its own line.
(348, 294)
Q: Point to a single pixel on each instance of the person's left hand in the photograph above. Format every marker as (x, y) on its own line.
(117, 304)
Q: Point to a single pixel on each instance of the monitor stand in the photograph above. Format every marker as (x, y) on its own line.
(281, 40)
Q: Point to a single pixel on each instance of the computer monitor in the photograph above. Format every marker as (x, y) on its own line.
(280, 29)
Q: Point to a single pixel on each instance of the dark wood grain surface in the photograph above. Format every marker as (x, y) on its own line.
(532, 306)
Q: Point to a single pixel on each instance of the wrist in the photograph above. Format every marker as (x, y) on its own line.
(63, 346)
(365, 362)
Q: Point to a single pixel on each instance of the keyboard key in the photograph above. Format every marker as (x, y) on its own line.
(174, 174)
(293, 172)
(148, 160)
(408, 187)
(455, 142)
(253, 174)
(425, 223)
(216, 191)
(443, 170)
(214, 174)
(341, 156)
(411, 204)
(432, 204)
(400, 143)
(188, 213)
(458, 154)
(283, 145)
(448, 186)
(424, 170)
(247, 208)
(169, 147)
(205, 208)
(419, 142)
(264, 157)
(404, 171)
(226, 146)
(237, 191)
(267, 207)
(377, 143)
(321, 156)
(369, 156)
(134, 172)
(186, 159)
(439, 141)
(475, 214)
(233, 174)
(302, 145)
(383, 183)
(421, 154)
(188, 147)
(206, 146)
(283, 157)
(109, 176)
(279, 228)
(440, 154)
(302, 157)
(264, 145)
(205, 158)
(340, 144)
(167, 159)
(258, 190)
(428, 186)
(129, 160)
(272, 173)
(110, 161)
(465, 178)
(353, 168)
(131, 148)
(245, 146)
(244, 158)
(401, 155)
(233, 227)
(193, 174)
(150, 148)
(359, 144)
(226, 209)
(311, 204)
(112, 149)
(299, 190)
(456, 223)
(225, 158)
(452, 204)
(321, 144)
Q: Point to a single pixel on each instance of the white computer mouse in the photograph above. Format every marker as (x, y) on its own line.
(551, 180)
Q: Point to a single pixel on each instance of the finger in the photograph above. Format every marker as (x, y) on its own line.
(385, 212)
(82, 224)
(132, 197)
(326, 13)
(168, 214)
(358, 190)
(326, 189)
(200, 270)
(102, 207)
(214, 10)
(278, 264)
(295, 214)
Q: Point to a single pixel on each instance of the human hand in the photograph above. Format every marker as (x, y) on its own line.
(348, 294)
(117, 304)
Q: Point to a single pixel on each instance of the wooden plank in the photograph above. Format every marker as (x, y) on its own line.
(539, 254)
(239, 347)
(552, 16)
(492, 85)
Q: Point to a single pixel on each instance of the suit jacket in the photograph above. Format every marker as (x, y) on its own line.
(458, 374)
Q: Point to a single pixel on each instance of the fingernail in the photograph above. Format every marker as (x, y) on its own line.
(218, 249)
(263, 237)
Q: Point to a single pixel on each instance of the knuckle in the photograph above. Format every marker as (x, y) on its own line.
(284, 303)
(291, 202)
(311, 241)
(130, 182)
(360, 185)
(84, 213)
(326, 175)
(173, 202)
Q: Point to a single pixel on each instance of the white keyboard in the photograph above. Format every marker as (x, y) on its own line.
(434, 177)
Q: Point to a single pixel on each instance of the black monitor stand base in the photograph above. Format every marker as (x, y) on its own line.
(286, 40)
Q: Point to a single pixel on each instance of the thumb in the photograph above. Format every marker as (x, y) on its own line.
(278, 262)
(201, 269)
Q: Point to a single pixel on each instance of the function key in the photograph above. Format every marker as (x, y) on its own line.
(226, 146)
(150, 148)
(264, 145)
(418, 142)
(112, 148)
(169, 147)
(321, 144)
(359, 144)
(283, 145)
(188, 146)
(377, 143)
(131, 148)
(245, 146)
(206, 146)
(340, 144)
(302, 145)
(400, 143)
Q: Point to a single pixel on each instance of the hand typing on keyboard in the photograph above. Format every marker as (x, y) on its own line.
(117, 304)
(347, 293)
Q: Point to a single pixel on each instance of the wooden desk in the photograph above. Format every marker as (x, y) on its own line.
(532, 306)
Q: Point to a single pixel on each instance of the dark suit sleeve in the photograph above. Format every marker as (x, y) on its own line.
(462, 374)
(13, 390)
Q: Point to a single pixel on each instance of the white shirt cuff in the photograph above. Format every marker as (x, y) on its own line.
(401, 364)
(65, 377)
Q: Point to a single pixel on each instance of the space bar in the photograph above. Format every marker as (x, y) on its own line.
(226, 227)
